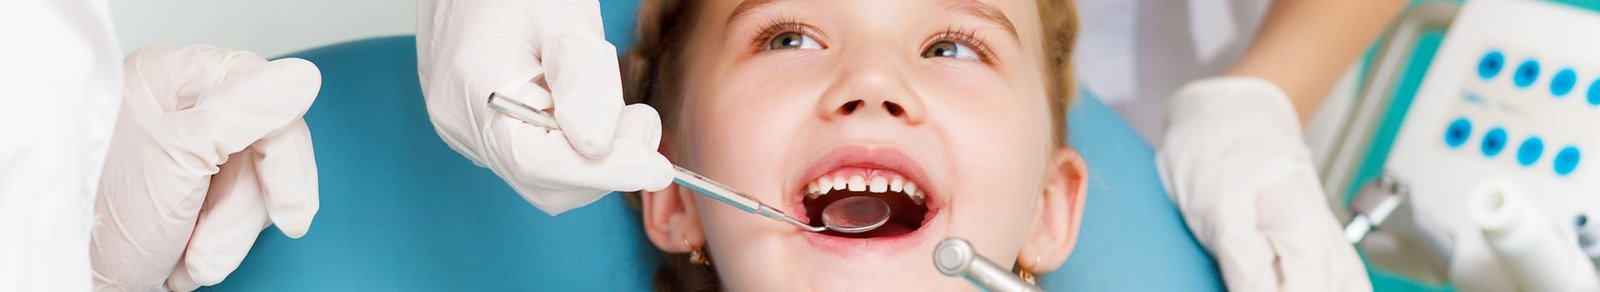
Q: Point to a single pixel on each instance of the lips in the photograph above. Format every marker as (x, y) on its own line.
(868, 170)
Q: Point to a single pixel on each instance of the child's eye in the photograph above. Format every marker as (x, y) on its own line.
(792, 40)
(958, 44)
(949, 49)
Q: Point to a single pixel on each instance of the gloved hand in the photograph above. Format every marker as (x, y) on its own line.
(208, 147)
(1236, 166)
(550, 54)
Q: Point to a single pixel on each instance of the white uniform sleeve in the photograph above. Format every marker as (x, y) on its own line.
(60, 85)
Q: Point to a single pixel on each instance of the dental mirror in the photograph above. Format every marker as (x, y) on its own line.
(855, 214)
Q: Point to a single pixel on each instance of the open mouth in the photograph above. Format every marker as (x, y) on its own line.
(907, 202)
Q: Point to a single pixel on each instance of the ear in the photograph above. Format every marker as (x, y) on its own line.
(669, 215)
(1060, 212)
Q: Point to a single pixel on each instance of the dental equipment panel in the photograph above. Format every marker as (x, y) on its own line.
(1536, 255)
(845, 216)
(1494, 144)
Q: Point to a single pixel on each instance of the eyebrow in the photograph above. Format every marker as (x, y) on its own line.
(745, 7)
(975, 8)
(985, 11)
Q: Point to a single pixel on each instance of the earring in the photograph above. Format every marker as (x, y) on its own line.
(697, 255)
(1025, 271)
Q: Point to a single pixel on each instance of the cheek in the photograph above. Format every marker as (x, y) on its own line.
(746, 115)
(739, 119)
(1000, 140)
(1000, 184)
(740, 127)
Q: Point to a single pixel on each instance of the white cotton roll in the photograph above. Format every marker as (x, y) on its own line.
(1527, 246)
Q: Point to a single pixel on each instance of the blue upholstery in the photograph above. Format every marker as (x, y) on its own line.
(1133, 237)
(401, 211)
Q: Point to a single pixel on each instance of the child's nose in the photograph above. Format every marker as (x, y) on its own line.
(871, 91)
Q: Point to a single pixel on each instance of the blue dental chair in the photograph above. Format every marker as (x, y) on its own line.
(402, 211)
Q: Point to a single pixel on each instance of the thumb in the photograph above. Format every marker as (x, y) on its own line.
(1309, 244)
(247, 105)
(640, 125)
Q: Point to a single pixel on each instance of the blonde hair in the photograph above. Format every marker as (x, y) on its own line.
(1060, 21)
(652, 66)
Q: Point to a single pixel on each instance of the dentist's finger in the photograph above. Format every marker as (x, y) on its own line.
(586, 88)
(248, 105)
(232, 218)
(540, 159)
(287, 169)
(458, 108)
(641, 125)
(1246, 259)
(180, 280)
(1312, 252)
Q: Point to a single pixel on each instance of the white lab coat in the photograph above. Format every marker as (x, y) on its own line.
(60, 86)
(1171, 43)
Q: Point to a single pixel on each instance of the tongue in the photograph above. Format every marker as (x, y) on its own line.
(888, 229)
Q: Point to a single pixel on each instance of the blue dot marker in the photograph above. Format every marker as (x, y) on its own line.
(1458, 132)
(1494, 142)
(1530, 151)
(1526, 73)
(1491, 64)
(1567, 160)
(1594, 93)
(1563, 82)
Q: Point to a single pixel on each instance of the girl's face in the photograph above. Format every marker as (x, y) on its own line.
(784, 98)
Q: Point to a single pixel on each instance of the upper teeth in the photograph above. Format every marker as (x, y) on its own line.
(857, 183)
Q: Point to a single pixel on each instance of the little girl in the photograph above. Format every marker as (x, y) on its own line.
(953, 111)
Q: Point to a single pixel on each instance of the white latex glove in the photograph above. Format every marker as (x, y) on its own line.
(1236, 166)
(551, 54)
(208, 149)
